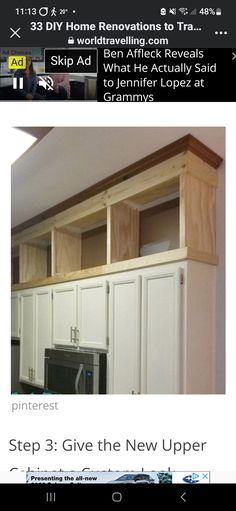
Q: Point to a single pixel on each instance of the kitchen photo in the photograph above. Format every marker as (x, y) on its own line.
(118, 260)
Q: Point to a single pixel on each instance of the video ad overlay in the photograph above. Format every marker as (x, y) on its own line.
(150, 24)
(117, 75)
(110, 477)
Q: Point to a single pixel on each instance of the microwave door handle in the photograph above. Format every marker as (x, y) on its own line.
(77, 379)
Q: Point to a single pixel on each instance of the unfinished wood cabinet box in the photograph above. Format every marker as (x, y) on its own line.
(81, 244)
(74, 251)
(123, 233)
(35, 259)
(15, 267)
(66, 251)
(163, 204)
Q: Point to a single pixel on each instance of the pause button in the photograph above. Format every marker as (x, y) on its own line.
(18, 83)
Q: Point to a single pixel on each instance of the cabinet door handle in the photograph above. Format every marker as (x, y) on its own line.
(72, 333)
(29, 369)
(76, 335)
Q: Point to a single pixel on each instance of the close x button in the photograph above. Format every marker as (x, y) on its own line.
(71, 60)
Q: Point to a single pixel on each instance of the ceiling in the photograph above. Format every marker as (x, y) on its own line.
(68, 160)
(36, 131)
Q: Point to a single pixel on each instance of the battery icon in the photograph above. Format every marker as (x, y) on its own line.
(218, 12)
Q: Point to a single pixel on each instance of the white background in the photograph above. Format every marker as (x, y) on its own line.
(146, 418)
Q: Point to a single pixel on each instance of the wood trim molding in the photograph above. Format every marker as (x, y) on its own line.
(186, 143)
(204, 152)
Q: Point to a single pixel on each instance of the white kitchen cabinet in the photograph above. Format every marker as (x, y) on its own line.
(15, 315)
(178, 329)
(157, 324)
(93, 313)
(64, 314)
(172, 308)
(27, 336)
(43, 331)
(160, 345)
(36, 326)
(124, 335)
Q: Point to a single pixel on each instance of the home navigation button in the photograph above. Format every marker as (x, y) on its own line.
(116, 496)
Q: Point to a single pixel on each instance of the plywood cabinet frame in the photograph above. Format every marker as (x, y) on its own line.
(66, 251)
(192, 173)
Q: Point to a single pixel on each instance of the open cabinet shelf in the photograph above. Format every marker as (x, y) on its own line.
(164, 213)
(94, 247)
(15, 267)
(159, 228)
(81, 243)
(32, 260)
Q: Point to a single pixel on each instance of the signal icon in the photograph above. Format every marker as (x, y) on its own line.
(194, 11)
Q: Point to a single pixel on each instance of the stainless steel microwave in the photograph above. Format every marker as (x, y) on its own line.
(75, 372)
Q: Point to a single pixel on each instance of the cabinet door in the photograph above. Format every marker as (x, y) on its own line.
(160, 333)
(27, 336)
(64, 314)
(92, 314)
(43, 330)
(15, 315)
(124, 336)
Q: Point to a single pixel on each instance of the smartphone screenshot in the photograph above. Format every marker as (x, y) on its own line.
(117, 352)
